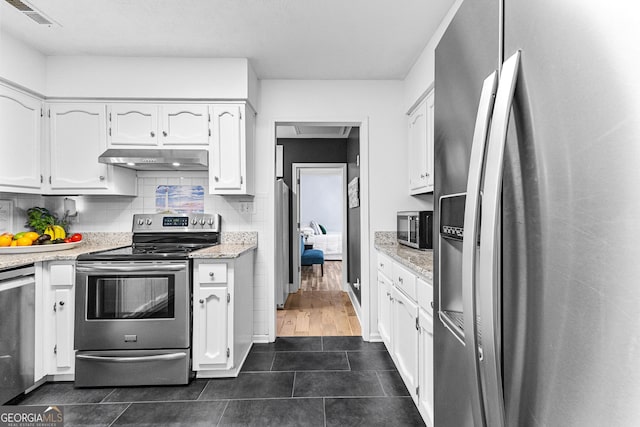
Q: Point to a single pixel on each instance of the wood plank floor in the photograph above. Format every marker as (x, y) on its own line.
(320, 307)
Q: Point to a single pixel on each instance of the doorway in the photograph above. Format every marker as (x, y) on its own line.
(321, 300)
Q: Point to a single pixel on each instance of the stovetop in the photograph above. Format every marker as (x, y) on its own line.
(160, 236)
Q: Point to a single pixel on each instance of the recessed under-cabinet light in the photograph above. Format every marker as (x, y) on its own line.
(131, 164)
(176, 164)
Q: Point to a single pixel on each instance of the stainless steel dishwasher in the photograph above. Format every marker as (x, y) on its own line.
(17, 331)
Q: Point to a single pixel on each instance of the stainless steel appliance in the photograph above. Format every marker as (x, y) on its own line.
(537, 130)
(156, 159)
(133, 304)
(17, 331)
(415, 229)
(282, 242)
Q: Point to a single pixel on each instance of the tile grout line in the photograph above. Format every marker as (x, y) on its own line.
(222, 414)
(120, 414)
(202, 391)
(110, 393)
(293, 386)
(381, 385)
(324, 410)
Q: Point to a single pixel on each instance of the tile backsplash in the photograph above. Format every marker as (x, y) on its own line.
(114, 213)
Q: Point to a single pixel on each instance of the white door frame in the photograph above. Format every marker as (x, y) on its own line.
(296, 169)
(368, 312)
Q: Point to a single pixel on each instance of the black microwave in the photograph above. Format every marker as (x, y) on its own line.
(415, 229)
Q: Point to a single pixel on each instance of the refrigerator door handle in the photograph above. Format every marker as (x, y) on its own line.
(469, 243)
(490, 240)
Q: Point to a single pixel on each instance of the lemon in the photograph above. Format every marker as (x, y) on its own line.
(5, 240)
(24, 241)
(32, 235)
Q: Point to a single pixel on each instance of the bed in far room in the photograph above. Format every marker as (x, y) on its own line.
(330, 242)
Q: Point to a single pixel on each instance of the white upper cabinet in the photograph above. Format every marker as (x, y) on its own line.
(184, 124)
(20, 135)
(133, 124)
(150, 125)
(231, 152)
(421, 147)
(77, 136)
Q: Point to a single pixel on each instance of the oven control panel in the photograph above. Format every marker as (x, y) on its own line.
(176, 222)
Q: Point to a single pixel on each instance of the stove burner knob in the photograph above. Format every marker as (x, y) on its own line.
(210, 221)
(202, 221)
(140, 221)
(194, 221)
(149, 221)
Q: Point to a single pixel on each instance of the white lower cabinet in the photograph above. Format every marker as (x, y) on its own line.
(222, 315)
(384, 309)
(405, 324)
(405, 339)
(425, 366)
(58, 284)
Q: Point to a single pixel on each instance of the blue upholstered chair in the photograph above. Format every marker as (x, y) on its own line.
(311, 256)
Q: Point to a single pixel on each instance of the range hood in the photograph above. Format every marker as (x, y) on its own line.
(156, 159)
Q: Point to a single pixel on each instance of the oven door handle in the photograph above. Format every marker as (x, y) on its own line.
(129, 269)
(133, 359)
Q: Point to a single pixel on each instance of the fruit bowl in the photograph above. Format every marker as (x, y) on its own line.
(38, 248)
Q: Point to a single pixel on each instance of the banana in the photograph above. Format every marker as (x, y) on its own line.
(55, 231)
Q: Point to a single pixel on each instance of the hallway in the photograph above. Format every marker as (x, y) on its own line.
(320, 307)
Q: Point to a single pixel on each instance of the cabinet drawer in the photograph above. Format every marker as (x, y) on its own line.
(62, 274)
(425, 295)
(212, 273)
(385, 265)
(405, 280)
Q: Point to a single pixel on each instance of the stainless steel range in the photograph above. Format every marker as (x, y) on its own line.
(133, 304)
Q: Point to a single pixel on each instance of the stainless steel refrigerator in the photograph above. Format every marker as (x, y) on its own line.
(282, 242)
(537, 262)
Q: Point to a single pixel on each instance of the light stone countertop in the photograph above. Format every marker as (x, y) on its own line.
(91, 242)
(420, 261)
(233, 245)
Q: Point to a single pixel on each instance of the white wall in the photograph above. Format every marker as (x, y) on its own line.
(422, 73)
(321, 199)
(126, 77)
(21, 64)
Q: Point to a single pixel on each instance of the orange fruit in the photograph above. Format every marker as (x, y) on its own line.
(24, 241)
(5, 240)
(31, 235)
(14, 243)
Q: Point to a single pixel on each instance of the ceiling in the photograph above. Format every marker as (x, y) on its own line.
(284, 39)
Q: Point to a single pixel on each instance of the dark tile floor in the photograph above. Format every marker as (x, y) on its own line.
(296, 381)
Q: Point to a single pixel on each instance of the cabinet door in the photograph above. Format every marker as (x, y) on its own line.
(133, 124)
(227, 154)
(405, 339)
(20, 138)
(430, 142)
(384, 309)
(210, 341)
(78, 135)
(63, 306)
(418, 148)
(184, 124)
(425, 368)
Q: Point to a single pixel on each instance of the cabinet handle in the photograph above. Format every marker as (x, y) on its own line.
(211, 274)
(216, 179)
(426, 174)
(201, 301)
(61, 303)
(41, 179)
(388, 294)
(49, 179)
(153, 134)
(164, 133)
(382, 265)
(422, 176)
(101, 178)
(400, 279)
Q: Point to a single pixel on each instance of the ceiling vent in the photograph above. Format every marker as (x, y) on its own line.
(323, 131)
(32, 12)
